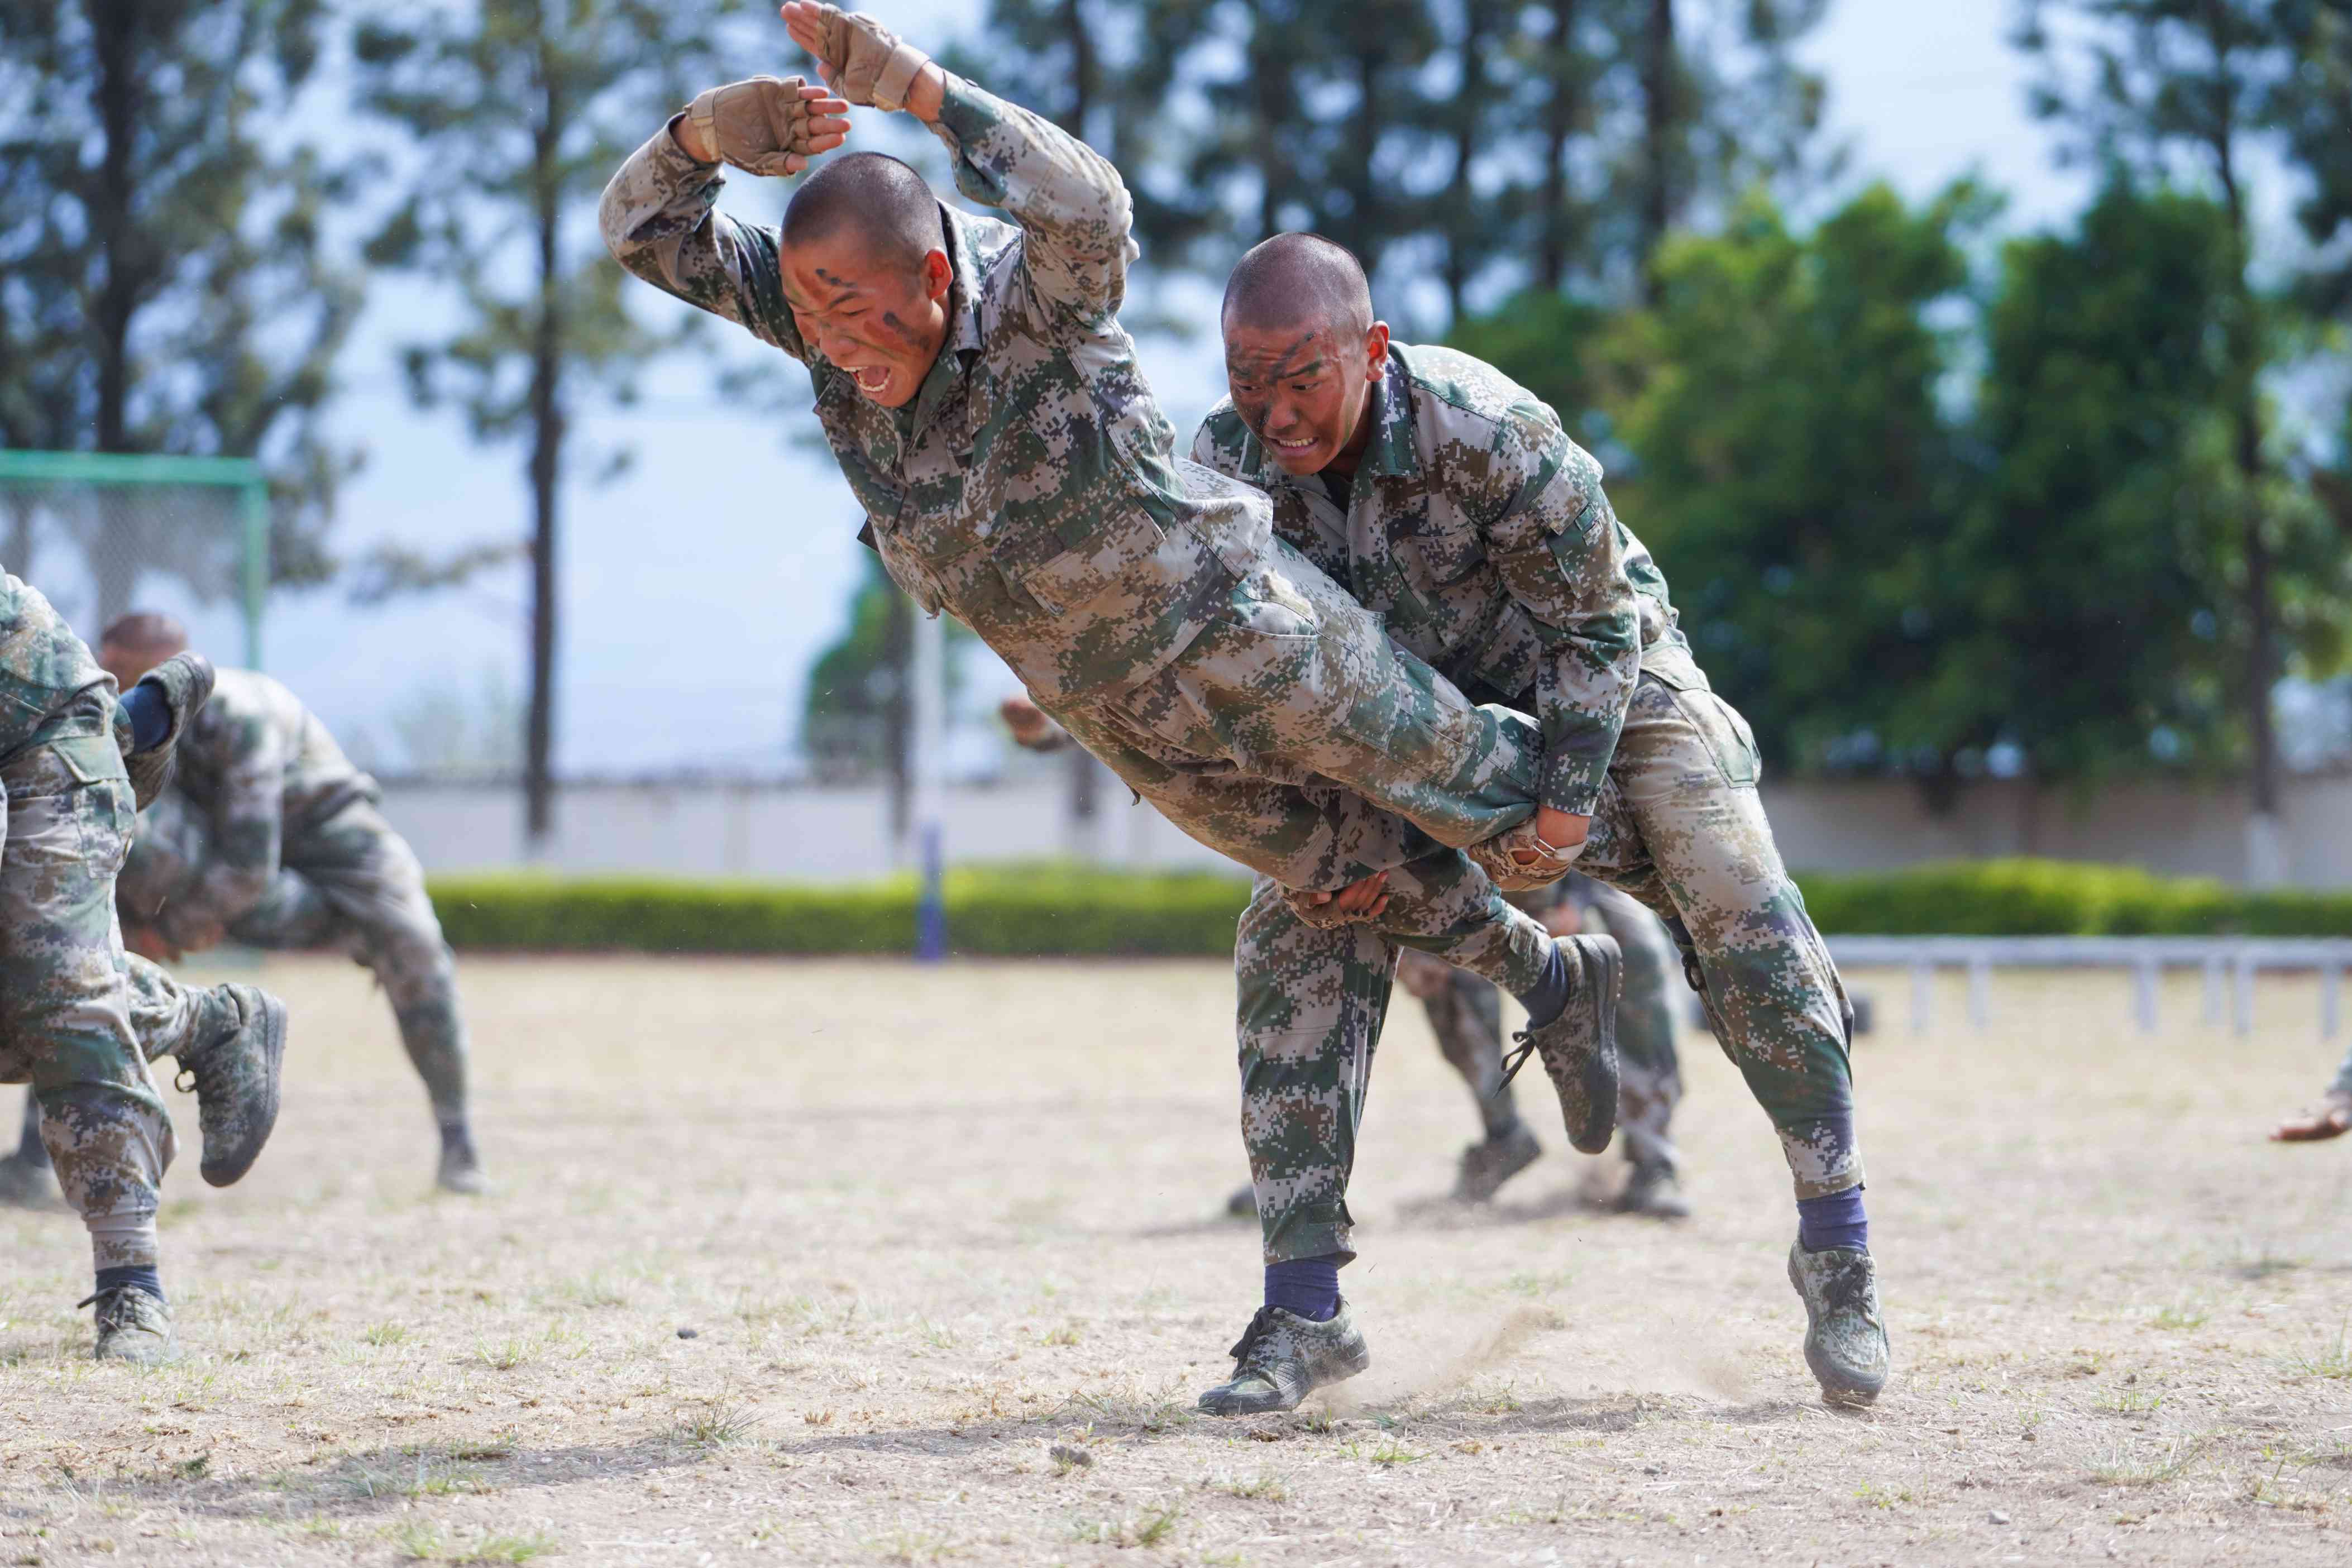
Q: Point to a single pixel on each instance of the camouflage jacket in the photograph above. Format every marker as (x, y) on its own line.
(1479, 533)
(1033, 486)
(43, 667)
(255, 764)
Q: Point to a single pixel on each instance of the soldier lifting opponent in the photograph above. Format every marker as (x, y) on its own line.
(1452, 503)
(985, 405)
(1466, 1016)
(72, 1004)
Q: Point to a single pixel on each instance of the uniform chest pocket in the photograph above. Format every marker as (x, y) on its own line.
(1063, 520)
(1437, 550)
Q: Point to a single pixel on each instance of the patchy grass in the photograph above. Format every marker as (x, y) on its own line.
(937, 1232)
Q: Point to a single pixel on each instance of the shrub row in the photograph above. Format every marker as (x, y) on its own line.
(1022, 910)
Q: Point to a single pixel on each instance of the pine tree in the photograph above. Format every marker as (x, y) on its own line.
(164, 282)
(518, 111)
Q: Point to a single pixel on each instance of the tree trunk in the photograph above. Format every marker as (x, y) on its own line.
(2262, 673)
(1563, 109)
(1083, 87)
(1462, 219)
(113, 543)
(1659, 116)
(547, 421)
(1270, 85)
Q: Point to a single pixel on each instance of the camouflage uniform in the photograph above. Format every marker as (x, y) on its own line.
(66, 814)
(1465, 1014)
(1432, 539)
(271, 838)
(1033, 490)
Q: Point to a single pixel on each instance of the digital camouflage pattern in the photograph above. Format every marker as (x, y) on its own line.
(1465, 1014)
(271, 837)
(1033, 490)
(1481, 534)
(65, 1023)
(1677, 822)
(1312, 1001)
(44, 667)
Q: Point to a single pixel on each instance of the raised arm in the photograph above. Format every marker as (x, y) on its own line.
(1557, 545)
(659, 213)
(1072, 208)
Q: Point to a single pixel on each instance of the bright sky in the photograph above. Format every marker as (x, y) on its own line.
(698, 589)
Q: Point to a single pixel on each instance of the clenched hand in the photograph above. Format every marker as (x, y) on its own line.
(765, 125)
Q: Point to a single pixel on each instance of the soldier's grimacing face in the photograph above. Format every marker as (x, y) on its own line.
(882, 323)
(1305, 391)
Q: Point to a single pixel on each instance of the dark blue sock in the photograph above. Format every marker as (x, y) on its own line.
(143, 1277)
(150, 716)
(1308, 1287)
(1836, 1220)
(1550, 994)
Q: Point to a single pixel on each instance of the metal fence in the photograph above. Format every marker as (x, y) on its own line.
(103, 532)
(2229, 964)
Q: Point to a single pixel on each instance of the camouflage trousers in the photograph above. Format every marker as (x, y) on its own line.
(1681, 828)
(1295, 738)
(1465, 1014)
(65, 1022)
(349, 883)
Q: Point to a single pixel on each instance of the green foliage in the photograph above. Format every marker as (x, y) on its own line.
(1022, 911)
(999, 910)
(2098, 559)
(164, 281)
(1794, 467)
(854, 719)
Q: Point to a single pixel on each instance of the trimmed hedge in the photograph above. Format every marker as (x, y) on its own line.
(1018, 910)
(996, 910)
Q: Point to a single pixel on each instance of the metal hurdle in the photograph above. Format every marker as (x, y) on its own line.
(2145, 957)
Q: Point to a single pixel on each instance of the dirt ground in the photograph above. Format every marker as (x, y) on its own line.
(861, 1263)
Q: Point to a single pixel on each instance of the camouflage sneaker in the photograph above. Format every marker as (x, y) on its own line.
(235, 1077)
(1281, 1358)
(1652, 1191)
(461, 1168)
(27, 1185)
(186, 682)
(133, 1325)
(1846, 1337)
(1486, 1167)
(1579, 1046)
(1243, 1205)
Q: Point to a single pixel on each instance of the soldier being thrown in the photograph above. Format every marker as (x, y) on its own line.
(1453, 502)
(985, 407)
(71, 1005)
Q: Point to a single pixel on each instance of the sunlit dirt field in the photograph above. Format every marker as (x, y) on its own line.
(861, 1263)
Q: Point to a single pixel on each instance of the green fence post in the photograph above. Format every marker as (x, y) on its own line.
(257, 566)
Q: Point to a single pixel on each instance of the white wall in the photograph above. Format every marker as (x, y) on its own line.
(829, 835)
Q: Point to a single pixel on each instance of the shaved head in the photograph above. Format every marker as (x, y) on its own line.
(135, 644)
(148, 631)
(876, 197)
(1299, 280)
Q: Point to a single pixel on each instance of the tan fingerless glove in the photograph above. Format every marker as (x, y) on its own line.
(758, 125)
(870, 64)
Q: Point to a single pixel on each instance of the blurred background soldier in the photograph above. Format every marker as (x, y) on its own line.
(275, 841)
